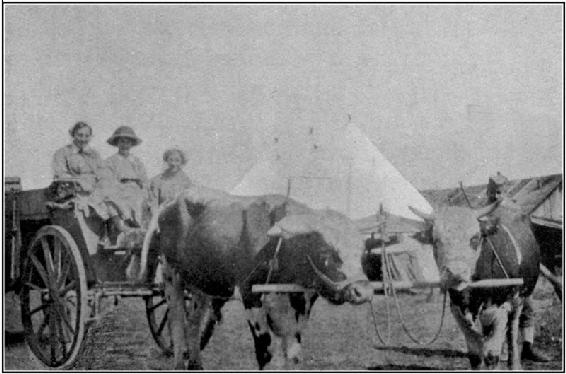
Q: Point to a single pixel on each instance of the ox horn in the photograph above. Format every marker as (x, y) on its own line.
(152, 228)
(335, 286)
(487, 210)
(423, 215)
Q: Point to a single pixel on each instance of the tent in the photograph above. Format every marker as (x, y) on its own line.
(344, 171)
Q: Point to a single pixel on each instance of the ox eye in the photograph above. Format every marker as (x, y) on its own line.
(325, 259)
(487, 330)
(475, 242)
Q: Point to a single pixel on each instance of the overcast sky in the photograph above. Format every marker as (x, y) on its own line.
(446, 92)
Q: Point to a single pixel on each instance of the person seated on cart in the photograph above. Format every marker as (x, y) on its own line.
(165, 187)
(131, 185)
(173, 180)
(78, 162)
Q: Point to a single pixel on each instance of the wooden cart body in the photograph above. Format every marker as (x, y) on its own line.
(56, 260)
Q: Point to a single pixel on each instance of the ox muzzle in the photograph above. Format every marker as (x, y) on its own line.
(355, 292)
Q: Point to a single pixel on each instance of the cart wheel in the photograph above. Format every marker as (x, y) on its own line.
(157, 314)
(53, 297)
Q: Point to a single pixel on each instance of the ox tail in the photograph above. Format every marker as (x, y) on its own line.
(152, 228)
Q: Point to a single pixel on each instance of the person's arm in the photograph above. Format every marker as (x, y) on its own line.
(142, 174)
(59, 165)
(154, 186)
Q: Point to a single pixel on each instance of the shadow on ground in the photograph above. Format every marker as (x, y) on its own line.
(404, 367)
(427, 352)
(12, 338)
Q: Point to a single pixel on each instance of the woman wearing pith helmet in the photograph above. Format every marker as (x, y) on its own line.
(130, 175)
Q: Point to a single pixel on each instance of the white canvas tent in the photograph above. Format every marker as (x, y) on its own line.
(344, 171)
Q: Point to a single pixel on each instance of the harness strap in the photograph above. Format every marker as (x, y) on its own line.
(513, 242)
(273, 263)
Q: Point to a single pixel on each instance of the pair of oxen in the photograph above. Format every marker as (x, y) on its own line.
(213, 242)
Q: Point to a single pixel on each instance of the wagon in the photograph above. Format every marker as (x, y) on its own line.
(56, 260)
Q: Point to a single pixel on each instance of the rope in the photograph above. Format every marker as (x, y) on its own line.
(272, 264)
(273, 260)
(388, 311)
(387, 274)
(403, 324)
(496, 256)
(376, 329)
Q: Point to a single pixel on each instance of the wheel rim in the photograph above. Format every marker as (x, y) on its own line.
(157, 313)
(157, 316)
(52, 297)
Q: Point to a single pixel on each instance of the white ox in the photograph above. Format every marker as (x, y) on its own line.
(466, 250)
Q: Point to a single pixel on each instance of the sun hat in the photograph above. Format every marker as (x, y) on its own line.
(123, 132)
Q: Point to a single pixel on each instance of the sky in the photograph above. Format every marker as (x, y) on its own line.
(447, 93)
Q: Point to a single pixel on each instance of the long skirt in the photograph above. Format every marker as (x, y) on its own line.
(129, 201)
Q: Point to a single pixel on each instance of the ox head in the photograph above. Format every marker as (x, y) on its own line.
(455, 233)
(330, 255)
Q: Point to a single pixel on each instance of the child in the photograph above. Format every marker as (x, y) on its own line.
(167, 185)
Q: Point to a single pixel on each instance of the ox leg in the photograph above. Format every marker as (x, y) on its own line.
(199, 305)
(257, 321)
(472, 336)
(174, 294)
(287, 316)
(276, 322)
(514, 358)
(213, 317)
(494, 320)
(302, 305)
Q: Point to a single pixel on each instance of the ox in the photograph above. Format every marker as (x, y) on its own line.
(494, 242)
(213, 242)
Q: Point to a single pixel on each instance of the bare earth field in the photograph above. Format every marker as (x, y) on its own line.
(337, 338)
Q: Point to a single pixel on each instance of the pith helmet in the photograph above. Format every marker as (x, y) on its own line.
(124, 132)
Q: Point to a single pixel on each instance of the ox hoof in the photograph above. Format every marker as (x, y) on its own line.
(475, 361)
(180, 366)
(194, 365)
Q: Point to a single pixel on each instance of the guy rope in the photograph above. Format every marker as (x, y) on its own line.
(389, 289)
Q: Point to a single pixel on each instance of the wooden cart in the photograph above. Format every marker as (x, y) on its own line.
(55, 260)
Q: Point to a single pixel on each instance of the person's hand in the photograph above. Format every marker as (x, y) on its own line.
(87, 184)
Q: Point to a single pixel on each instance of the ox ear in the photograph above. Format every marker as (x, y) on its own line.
(423, 215)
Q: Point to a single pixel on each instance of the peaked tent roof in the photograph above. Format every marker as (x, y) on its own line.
(344, 171)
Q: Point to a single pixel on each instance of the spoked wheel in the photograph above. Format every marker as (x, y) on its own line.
(157, 314)
(53, 297)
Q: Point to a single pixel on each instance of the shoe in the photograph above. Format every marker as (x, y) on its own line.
(529, 354)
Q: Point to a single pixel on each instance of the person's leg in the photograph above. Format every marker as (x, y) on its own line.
(526, 322)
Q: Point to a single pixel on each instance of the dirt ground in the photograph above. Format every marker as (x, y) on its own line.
(337, 338)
